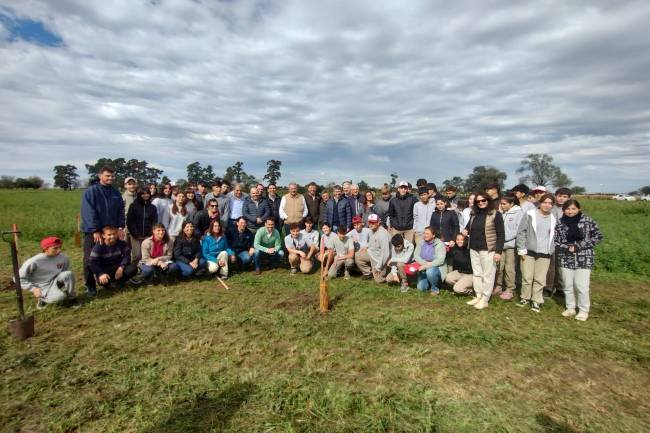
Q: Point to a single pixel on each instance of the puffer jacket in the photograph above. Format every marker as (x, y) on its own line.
(140, 218)
(400, 212)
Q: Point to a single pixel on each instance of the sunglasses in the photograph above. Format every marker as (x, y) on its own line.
(481, 201)
(213, 205)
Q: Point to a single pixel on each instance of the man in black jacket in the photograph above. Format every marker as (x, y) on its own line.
(205, 217)
(400, 212)
(241, 240)
(140, 218)
(312, 199)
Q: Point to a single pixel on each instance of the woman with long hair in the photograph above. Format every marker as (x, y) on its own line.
(368, 206)
(576, 235)
(460, 276)
(486, 238)
(176, 215)
(192, 204)
(535, 247)
(157, 255)
(163, 201)
(187, 251)
(215, 250)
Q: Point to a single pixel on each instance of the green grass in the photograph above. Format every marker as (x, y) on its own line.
(260, 358)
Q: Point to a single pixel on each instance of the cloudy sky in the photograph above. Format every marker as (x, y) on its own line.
(336, 89)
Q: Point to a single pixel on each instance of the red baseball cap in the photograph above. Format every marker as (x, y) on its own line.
(357, 219)
(50, 241)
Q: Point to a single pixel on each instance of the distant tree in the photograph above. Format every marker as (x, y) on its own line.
(140, 170)
(165, 179)
(66, 177)
(196, 173)
(578, 190)
(273, 171)
(7, 182)
(482, 176)
(32, 182)
(393, 179)
(363, 186)
(645, 190)
(539, 169)
(181, 184)
(455, 181)
(234, 172)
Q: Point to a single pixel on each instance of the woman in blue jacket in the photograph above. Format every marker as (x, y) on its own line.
(215, 250)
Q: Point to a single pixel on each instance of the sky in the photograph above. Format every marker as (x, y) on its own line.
(335, 90)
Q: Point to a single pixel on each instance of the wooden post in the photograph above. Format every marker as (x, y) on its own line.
(324, 284)
(77, 233)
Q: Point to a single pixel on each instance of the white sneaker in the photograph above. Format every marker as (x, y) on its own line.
(582, 316)
(404, 288)
(482, 304)
(474, 300)
(569, 313)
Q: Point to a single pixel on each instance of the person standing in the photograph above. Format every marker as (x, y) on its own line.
(505, 281)
(140, 219)
(274, 203)
(535, 246)
(129, 195)
(339, 212)
(382, 204)
(312, 199)
(293, 208)
(422, 212)
(162, 202)
(101, 206)
(400, 212)
(256, 210)
(357, 201)
(236, 206)
(486, 239)
(203, 219)
(576, 235)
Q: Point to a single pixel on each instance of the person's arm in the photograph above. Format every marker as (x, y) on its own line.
(408, 251)
(439, 255)
(385, 252)
(121, 216)
(455, 226)
(592, 237)
(94, 261)
(145, 251)
(89, 217)
(265, 210)
(522, 234)
(348, 214)
(126, 254)
(249, 211)
(206, 246)
(178, 251)
(501, 235)
(282, 213)
(168, 249)
(416, 214)
(25, 273)
(278, 241)
(130, 219)
(305, 209)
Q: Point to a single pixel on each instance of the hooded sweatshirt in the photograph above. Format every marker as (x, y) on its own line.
(511, 220)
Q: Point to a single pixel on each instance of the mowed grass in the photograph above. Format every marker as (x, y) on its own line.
(260, 358)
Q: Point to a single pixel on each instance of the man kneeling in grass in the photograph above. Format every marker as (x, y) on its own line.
(48, 276)
(110, 260)
(300, 253)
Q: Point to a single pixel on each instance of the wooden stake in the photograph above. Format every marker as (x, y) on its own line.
(324, 284)
(225, 286)
(77, 233)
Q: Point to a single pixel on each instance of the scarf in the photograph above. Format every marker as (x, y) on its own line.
(574, 234)
(156, 248)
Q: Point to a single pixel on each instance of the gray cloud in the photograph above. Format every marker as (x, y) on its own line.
(333, 89)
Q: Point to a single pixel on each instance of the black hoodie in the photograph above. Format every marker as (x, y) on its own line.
(141, 217)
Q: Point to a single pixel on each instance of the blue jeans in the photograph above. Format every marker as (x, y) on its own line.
(429, 280)
(186, 270)
(259, 255)
(243, 259)
(146, 270)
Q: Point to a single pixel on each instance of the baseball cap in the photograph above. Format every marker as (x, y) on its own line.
(129, 179)
(356, 219)
(402, 183)
(373, 218)
(423, 190)
(539, 188)
(50, 241)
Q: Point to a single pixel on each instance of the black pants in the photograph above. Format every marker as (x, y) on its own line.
(129, 272)
(89, 277)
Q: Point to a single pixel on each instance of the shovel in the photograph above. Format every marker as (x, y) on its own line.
(324, 284)
(21, 327)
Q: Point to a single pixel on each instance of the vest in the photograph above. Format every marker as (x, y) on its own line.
(490, 232)
(293, 207)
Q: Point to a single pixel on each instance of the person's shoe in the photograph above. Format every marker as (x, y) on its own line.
(482, 304)
(135, 281)
(258, 272)
(474, 300)
(366, 276)
(582, 316)
(73, 303)
(201, 272)
(435, 292)
(497, 291)
(346, 275)
(569, 313)
(522, 303)
(548, 292)
(534, 307)
(293, 271)
(91, 292)
(506, 296)
(404, 287)
(41, 304)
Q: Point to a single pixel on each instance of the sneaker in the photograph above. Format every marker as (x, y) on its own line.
(569, 313)
(474, 300)
(582, 316)
(366, 276)
(435, 292)
(506, 296)
(258, 272)
(482, 304)
(73, 303)
(91, 292)
(293, 271)
(41, 304)
(404, 287)
(548, 292)
(522, 303)
(346, 275)
(534, 307)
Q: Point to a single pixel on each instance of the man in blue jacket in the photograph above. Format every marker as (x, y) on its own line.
(339, 212)
(101, 206)
(256, 210)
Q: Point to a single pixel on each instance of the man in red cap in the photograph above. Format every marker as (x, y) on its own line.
(48, 276)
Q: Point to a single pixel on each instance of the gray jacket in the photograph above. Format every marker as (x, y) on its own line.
(511, 220)
(527, 234)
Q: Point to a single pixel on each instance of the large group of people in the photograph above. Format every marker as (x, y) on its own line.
(485, 245)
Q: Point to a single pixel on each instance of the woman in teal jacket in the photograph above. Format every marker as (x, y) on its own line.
(215, 250)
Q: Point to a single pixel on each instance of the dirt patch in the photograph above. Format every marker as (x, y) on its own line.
(303, 301)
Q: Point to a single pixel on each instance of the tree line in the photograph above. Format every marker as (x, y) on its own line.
(534, 169)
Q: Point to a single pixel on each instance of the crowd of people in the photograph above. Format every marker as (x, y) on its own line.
(485, 245)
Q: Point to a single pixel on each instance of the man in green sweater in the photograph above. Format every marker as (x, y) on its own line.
(267, 244)
(48, 276)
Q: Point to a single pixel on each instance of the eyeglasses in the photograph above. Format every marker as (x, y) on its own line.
(481, 201)
(213, 205)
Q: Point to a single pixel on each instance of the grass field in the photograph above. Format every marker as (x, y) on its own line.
(259, 358)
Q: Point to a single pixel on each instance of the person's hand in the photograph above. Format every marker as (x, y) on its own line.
(259, 220)
(497, 258)
(222, 263)
(251, 251)
(523, 257)
(119, 273)
(302, 254)
(97, 238)
(104, 279)
(194, 263)
(233, 259)
(271, 250)
(37, 292)
(163, 265)
(121, 234)
(572, 248)
(451, 244)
